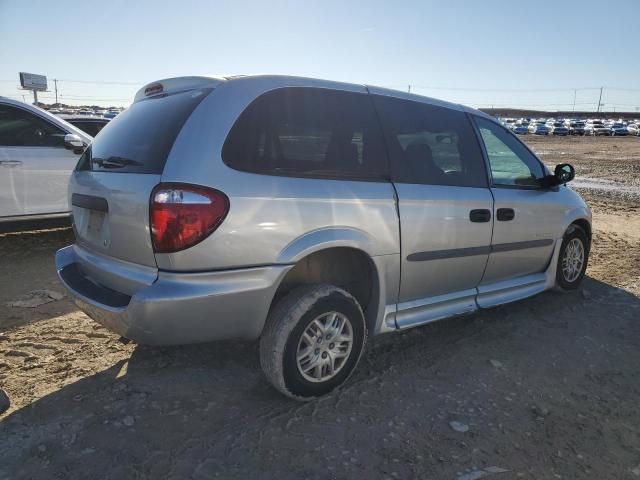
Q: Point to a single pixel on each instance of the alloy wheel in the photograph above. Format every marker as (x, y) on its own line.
(573, 260)
(324, 347)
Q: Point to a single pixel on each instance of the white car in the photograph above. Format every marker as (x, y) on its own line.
(38, 151)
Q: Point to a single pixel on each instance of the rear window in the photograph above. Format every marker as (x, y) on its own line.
(309, 132)
(139, 139)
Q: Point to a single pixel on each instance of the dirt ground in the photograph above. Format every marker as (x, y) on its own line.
(545, 388)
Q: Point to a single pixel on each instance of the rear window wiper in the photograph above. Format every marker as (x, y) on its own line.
(116, 162)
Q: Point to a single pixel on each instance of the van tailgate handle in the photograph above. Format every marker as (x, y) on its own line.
(90, 202)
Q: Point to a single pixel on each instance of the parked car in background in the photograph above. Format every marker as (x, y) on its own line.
(304, 218)
(38, 152)
(634, 129)
(619, 130)
(89, 124)
(576, 128)
(520, 129)
(538, 129)
(111, 114)
(597, 129)
(558, 128)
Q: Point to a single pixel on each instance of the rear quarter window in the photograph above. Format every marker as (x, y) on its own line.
(308, 132)
(139, 139)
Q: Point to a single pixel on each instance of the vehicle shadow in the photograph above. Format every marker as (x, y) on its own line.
(201, 410)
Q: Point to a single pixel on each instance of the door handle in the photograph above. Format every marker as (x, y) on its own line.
(10, 163)
(480, 215)
(505, 214)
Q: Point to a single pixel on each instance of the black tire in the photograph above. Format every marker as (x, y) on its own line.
(284, 328)
(573, 232)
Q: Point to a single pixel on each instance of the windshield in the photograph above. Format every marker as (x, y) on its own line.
(139, 139)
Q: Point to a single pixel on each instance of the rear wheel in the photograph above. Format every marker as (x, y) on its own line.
(572, 262)
(312, 341)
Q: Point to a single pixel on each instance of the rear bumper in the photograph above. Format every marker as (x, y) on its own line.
(177, 308)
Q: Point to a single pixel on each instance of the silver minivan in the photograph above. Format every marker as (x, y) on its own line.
(310, 214)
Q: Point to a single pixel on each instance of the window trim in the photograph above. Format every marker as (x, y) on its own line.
(473, 117)
(426, 102)
(41, 117)
(382, 177)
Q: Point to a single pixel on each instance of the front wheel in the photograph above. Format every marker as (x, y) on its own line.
(312, 341)
(572, 262)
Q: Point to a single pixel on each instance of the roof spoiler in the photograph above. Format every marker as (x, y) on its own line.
(176, 84)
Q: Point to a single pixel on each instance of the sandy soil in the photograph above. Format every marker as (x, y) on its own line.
(547, 387)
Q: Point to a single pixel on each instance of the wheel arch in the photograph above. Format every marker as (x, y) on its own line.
(325, 238)
(341, 264)
(584, 224)
(578, 215)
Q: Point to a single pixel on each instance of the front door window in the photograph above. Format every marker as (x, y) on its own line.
(512, 165)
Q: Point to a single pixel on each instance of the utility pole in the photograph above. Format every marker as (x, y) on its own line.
(574, 99)
(409, 88)
(55, 82)
(600, 99)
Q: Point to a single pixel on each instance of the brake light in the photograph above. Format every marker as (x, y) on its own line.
(153, 89)
(184, 215)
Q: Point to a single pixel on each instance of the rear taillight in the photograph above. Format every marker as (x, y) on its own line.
(183, 215)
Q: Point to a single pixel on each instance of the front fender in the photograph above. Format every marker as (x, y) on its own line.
(327, 238)
(577, 213)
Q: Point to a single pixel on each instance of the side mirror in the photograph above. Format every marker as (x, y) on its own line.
(73, 142)
(564, 173)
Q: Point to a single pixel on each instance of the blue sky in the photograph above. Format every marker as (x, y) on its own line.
(474, 52)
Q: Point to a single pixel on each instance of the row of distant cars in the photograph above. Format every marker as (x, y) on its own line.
(87, 120)
(572, 126)
(106, 113)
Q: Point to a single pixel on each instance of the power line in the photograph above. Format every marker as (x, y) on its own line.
(91, 97)
(430, 87)
(469, 89)
(102, 82)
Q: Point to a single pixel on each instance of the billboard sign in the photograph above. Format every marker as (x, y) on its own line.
(31, 81)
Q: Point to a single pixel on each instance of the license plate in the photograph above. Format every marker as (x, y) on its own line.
(94, 226)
